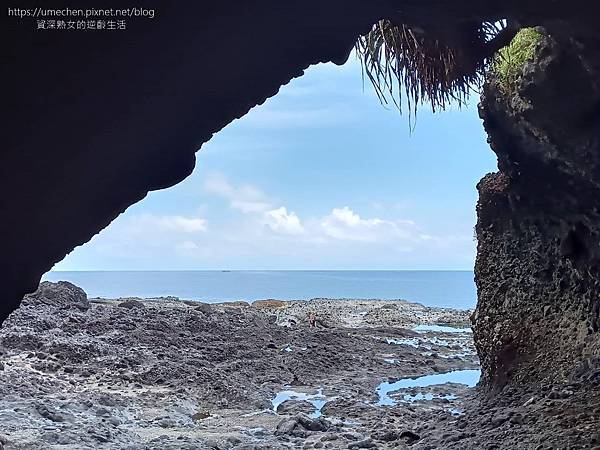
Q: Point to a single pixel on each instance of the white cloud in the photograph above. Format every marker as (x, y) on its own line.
(178, 223)
(137, 225)
(281, 221)
(341, 224)
(250, 200)
(345, 224)
(187, 246)
(263, 230)
(246, 198)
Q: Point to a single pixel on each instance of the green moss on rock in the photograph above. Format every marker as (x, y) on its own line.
(508, 65)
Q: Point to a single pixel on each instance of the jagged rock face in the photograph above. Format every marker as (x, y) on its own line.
(62, 295)
(538, 230)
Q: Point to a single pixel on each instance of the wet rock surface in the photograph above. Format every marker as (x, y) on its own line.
(178, 375)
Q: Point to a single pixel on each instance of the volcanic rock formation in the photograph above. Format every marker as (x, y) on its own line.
(537, 270)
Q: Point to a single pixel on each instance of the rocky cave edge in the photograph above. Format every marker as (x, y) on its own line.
(94, 121)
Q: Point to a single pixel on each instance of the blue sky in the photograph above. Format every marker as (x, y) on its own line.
(321, 176)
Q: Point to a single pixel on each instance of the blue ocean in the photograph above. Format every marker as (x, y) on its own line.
(453, 289)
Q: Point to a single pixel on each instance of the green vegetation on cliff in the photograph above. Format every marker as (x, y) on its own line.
(509, 62)
(399, 59)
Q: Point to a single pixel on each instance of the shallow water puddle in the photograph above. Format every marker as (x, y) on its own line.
(456, 412)
(451, 355)
(318, 400)
(468, 377)
(440, 329)
(417, 342)
(412, 342)
(437, 341)
(289, 348)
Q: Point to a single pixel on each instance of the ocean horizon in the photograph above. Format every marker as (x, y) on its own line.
(442, 288)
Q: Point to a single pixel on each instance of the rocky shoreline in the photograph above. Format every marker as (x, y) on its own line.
(170, 374)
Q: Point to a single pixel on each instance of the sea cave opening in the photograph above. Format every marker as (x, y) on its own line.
(310, 284)
(320, 193)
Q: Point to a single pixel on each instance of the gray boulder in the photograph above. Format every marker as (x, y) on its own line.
(299, 425)
(131, 304)
(61, 295)
(204, 308)
(291, 407)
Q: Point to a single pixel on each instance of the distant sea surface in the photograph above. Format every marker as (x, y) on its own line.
(452, 289)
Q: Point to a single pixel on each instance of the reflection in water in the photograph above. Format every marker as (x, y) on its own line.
(468, 377)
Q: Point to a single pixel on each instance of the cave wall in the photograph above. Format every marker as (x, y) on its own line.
(93, 121)
(538, 260)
